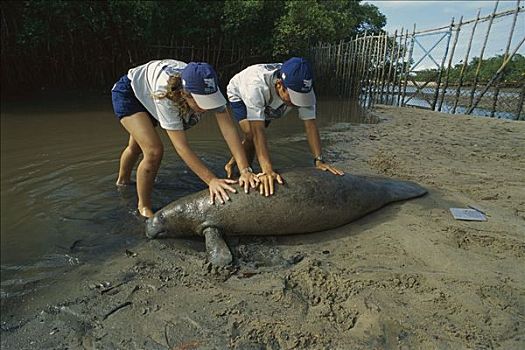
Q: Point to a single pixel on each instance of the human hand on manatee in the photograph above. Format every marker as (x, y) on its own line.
(327, 167)
(218, 189)
(248, 179)
(266, 187)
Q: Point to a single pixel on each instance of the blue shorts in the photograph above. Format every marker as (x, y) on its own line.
(125, 103)
(240, 113)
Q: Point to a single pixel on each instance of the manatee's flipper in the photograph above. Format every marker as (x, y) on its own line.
(218, 252)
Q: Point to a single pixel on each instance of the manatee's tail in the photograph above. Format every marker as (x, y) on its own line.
(400, 190)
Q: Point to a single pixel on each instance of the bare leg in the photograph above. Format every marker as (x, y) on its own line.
(128, 159)
(248, 148)
(143, 132)
(218, 252)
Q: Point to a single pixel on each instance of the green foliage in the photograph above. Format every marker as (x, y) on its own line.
(251, 20)
(79, 43)
(513, 74)
(306, 22)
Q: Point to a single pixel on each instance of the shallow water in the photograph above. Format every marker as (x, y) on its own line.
(59, 158)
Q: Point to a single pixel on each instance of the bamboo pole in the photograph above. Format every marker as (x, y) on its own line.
(520, 116)
(344, 62)
(496, 93)
(383, 69)
(324, 55)
(348, 76)
(464, 67)
(373, 74)
(450, 64)
(366, 69)
(364, 66)
(207, 50)
(483, 19)
(496, 76)
(348, 72)
(324, 63)
(355, 68)
(380, 71)
(390, 65)
(399, 87)
(375, 62)
(440, 73)
(217, 58)
(396, 67)
(339, 67)
(359, 88)
(346, 67)
(407, 71)
(478, 68)
(239, 55)
(373, 71)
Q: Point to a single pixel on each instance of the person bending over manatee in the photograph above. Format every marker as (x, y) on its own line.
(173, 94)
(263, 92)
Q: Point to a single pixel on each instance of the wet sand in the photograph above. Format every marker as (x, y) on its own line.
(407, 276)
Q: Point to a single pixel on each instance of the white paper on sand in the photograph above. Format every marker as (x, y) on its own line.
(467, 214)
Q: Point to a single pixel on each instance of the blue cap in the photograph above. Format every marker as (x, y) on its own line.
(200, 80)
(297, 77)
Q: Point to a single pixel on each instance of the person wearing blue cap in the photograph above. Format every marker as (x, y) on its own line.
(263, 92)
(173, 94)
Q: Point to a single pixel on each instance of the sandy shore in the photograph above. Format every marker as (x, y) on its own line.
(407, 276)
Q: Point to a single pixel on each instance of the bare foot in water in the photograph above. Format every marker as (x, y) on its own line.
(229, 167)
(146, 212)
(123, 183)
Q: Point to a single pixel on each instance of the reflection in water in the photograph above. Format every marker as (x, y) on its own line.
(59, 204)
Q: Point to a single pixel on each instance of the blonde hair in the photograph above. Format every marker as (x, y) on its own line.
(175, 94)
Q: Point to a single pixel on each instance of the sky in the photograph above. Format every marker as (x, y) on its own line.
(434, 14)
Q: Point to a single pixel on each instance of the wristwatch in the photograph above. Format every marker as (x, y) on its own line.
(318, 158)
(248, 169)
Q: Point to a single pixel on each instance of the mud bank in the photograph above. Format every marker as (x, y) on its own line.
(407, 276)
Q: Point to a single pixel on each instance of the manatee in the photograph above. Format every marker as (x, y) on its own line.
(310, 201)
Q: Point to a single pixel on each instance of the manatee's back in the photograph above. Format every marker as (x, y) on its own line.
(310, 200)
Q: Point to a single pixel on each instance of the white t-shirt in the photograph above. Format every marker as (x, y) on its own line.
(151, 78)
(255, 87)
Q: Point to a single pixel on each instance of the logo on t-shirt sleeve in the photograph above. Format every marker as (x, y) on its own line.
(171, 71)
(272, 66)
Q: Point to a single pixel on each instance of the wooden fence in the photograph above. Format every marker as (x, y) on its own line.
(383, 68)
(227, 61)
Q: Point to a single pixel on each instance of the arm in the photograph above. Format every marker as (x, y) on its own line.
(217, 186)
(312, 134)
(261, 148)
(230, 134)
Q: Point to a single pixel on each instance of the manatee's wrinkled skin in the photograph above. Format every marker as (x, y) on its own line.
(311, 200)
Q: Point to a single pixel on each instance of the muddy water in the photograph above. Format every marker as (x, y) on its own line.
(59, 158)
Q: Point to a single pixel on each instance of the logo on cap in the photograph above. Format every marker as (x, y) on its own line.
(211, 86)
(307, 85)
(296, 75)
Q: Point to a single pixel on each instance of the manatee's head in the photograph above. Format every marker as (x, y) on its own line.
(156, 227)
